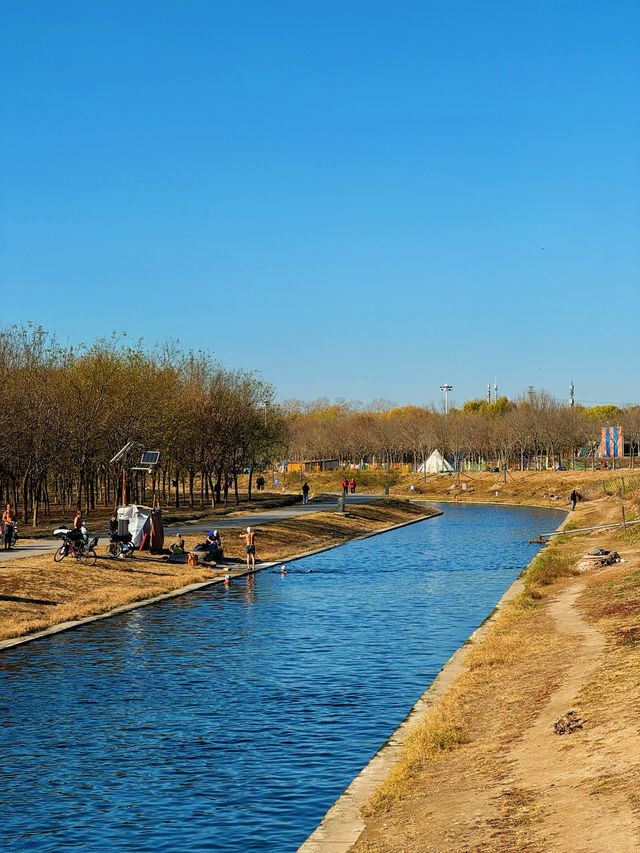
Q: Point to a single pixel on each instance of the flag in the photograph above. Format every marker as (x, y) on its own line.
(612, 443)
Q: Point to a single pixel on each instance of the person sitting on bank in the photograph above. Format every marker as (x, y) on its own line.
(177, 546)
(214, 544)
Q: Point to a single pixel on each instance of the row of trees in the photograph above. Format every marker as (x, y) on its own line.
(65, 413)
(522, 433)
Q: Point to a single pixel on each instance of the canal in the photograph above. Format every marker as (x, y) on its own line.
(232, 718)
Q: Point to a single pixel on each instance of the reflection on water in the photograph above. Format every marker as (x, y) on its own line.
(231, 719)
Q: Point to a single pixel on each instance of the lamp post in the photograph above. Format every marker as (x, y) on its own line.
(446, 388)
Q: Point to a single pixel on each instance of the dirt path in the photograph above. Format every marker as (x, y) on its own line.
(514, 785)
(556, 766)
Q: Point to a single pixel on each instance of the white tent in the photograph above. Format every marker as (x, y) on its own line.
(435, 464)
(139, 521)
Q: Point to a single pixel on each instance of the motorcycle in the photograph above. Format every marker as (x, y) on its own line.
(120, 545)
(14, 534)
(76, 543)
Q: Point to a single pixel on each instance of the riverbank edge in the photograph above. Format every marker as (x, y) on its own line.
(343, 823)
(194, 587)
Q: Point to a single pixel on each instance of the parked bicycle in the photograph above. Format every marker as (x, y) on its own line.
(75, 543)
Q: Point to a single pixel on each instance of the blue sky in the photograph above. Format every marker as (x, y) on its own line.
(359, 199)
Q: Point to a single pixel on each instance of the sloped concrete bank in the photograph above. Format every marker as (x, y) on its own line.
(134, 605)
(343, 823)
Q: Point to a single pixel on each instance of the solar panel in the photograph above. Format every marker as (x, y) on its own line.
(150, 457)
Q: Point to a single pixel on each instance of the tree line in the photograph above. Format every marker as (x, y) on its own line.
(67, 410)
(528, 432)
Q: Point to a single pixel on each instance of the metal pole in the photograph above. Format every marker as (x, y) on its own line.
(583, 529)
(446, 388)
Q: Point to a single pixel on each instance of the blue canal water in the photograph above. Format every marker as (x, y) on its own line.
(231, 719)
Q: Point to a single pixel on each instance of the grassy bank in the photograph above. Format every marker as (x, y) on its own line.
(541, 488)
(36, 593)
(485, 768)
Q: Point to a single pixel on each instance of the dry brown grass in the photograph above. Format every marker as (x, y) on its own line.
(474, 712)
(543, 488)
(36, 593)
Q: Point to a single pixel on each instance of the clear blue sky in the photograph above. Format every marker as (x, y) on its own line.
(360, 199)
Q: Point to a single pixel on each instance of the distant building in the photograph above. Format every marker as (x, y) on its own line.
(312, 466)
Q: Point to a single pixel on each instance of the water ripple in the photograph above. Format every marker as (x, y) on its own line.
(231, 719)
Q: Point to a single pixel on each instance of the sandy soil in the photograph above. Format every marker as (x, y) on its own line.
(516, 785)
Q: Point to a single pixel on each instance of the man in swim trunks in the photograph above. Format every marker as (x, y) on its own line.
(250, 536)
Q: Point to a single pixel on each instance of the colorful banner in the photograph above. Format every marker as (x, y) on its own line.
(612, 443)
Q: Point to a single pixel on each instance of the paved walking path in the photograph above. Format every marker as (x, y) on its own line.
(252, 519)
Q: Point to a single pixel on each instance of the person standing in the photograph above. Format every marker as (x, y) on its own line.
(76, 533)
(305, 493)
(573, 497)
(352, 486)
(250, 539)
(8, 520)
(345, 486)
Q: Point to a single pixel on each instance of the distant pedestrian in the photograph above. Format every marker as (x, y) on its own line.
(352, 486)
(305, 493)
(573, 497)
(345, 486)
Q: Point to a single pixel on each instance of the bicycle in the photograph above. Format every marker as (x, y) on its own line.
(76, 546)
